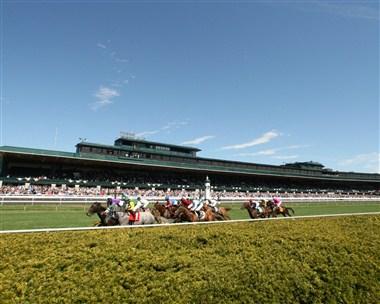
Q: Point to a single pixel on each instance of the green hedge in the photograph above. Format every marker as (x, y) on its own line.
(334, 260)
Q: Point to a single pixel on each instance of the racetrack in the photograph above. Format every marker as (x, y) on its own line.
(51, 216)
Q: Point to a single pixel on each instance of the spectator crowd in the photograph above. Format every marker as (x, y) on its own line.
(50, 190)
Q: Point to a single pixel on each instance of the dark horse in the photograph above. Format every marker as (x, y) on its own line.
(254, 213)
(284, 211)
(100, 211)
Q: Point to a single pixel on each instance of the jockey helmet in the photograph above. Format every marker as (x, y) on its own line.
(138, 198)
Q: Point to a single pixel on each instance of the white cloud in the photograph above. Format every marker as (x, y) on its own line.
(146, 133)
(274, 151)
(369, 162)
(101, 45)
(198, 140)
(104, 97)
(350, 10)
(167, 127)
(266, 137)
(263, 152)
(174, 125)
(121, 60)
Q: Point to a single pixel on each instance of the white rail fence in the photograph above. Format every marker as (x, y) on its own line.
(56, 199)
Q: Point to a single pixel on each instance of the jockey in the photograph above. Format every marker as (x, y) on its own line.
(169, 202)
(141, 203)
(130, 203)
(255, 205)
(186, 202)
(114, 205)
(197, 206)
(277, 202)
(263, 203)
(214, 204)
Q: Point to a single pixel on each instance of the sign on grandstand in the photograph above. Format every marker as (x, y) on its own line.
(130, 135)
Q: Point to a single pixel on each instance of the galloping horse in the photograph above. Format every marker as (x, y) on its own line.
(253, 212)
(121, 218)
(160, 219)
(165, 212)
(220, 215)
(100, 211)
(183, 214)
(224, 213)
(280, 210)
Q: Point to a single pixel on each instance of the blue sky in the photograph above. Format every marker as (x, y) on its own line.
(265, 82)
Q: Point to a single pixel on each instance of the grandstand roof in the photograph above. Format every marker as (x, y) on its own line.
(201, 164)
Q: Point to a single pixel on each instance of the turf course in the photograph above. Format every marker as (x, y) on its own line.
(26, 216)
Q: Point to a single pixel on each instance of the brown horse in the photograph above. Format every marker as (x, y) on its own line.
(254, 213)
(160, 219)
(105, 220)
(221, 214)
(224, 213)
(165, 212)
(284, 211)
(183, 214)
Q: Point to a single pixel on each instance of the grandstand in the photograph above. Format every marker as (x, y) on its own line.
(138, 163)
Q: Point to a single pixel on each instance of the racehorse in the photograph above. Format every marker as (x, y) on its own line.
(280, 210)
(165, 212)
(183, 214)
(224, 213)
(121, 218)
(254, 213)
(160, 219)
(220, 215)
(100, 211)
